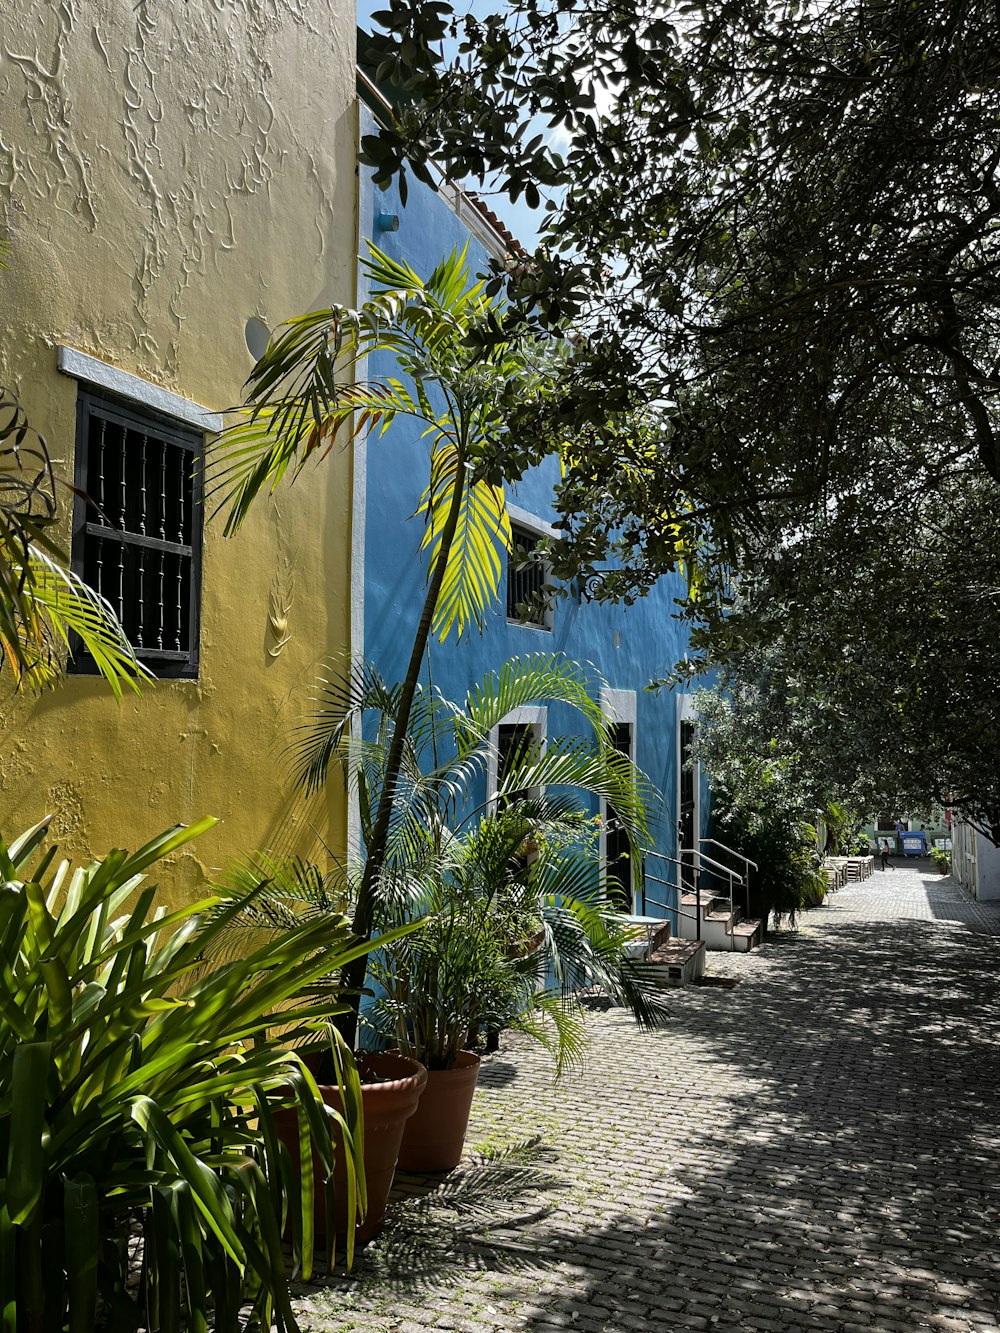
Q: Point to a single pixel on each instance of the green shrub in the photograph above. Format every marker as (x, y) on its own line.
(941, 859)
(143, 1183)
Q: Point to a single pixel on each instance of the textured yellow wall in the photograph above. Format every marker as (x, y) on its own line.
(168, 170)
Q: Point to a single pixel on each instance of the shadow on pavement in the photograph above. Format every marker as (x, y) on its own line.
(823, 1154)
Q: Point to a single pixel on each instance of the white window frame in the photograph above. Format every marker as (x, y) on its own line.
(687, 711)
(538, 528)
(616, 706)
(88, 369)
(537, 718)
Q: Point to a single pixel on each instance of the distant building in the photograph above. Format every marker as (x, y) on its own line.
(975, 863)
(627, 646)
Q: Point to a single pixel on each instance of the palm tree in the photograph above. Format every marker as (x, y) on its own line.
(516, 913)
(519, 856)
(454, 376)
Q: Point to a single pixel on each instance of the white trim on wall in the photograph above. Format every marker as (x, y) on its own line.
(617, 706)
(81, 366)
(537, 527)
(531, 521)
(535, 717)
(359, 483)
(686, 712)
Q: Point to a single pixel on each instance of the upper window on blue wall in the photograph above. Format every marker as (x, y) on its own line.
(529, 595)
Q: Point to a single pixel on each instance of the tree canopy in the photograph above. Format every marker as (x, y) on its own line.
(773, 227)
(864, 659)
(774, 223)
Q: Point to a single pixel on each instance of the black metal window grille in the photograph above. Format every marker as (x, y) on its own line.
(526, 602)
(137, 527)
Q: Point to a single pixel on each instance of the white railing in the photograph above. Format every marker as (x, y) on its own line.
(744, 879)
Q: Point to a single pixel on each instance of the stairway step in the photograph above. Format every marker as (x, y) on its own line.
(749, 934)
(710, 902)
(679, 962)
(675, 950)
(746, 928)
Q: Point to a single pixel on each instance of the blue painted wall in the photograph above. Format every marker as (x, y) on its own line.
(627, 646)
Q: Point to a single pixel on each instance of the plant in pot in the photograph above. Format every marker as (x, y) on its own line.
(942, 859)
(486, 958)
(278, 894)
(509, 890)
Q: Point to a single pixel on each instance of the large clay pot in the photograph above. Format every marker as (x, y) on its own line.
(391, 1085)
(434, 1136)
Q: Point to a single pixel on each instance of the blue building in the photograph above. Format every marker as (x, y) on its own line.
(627, 646)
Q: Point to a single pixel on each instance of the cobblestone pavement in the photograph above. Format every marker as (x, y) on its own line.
(815, 1148)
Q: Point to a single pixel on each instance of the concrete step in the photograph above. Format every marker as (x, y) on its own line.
(710, 902)
(723, 929)
(679, 962)
(747, 935)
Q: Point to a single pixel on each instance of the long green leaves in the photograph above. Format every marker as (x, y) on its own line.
(41, 601)
(321, 380)
(486, 878)
(138, 1089)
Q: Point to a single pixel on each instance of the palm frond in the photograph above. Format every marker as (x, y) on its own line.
(520, 682)
(474, 568)
(41, 602)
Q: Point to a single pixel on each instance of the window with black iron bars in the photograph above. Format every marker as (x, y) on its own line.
(137, 527)
(527, 600)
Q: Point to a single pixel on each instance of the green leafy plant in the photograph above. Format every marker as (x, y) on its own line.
(511, 890)
(143, 1182)
(517, 921)
(453, 373)
(942, 859)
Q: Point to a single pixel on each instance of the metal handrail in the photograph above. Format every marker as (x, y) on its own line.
(732, 875)
(717, 865)
(739, 857)
(662, 856)
(667, 883)
(732, 852)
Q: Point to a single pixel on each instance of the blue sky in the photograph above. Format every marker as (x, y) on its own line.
(522, 220)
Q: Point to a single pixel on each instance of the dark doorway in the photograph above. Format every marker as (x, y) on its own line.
(686, 831)
(514, 743)
(618, 857)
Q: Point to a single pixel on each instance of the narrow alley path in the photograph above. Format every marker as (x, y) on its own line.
(816, 1148)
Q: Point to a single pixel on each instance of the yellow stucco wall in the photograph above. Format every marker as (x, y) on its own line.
(168, 170)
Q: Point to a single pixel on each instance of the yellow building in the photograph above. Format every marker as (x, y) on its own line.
(175, 178)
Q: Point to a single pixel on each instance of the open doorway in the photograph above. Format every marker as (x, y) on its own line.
(687, 828)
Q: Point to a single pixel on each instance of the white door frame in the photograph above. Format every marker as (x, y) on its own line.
(617, 706)
(687, 712)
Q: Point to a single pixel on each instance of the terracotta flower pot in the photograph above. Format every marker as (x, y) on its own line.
(391, 1085)
(433, 1138)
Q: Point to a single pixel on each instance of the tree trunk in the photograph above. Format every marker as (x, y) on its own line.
(353, 975)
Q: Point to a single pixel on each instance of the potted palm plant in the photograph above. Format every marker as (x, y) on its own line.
(484, 961)
(277, 895)
(509, 890)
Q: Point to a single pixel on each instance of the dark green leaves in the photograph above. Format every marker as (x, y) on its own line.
(138, 1080)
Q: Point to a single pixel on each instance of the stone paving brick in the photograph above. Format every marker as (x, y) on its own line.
(815, 1149)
